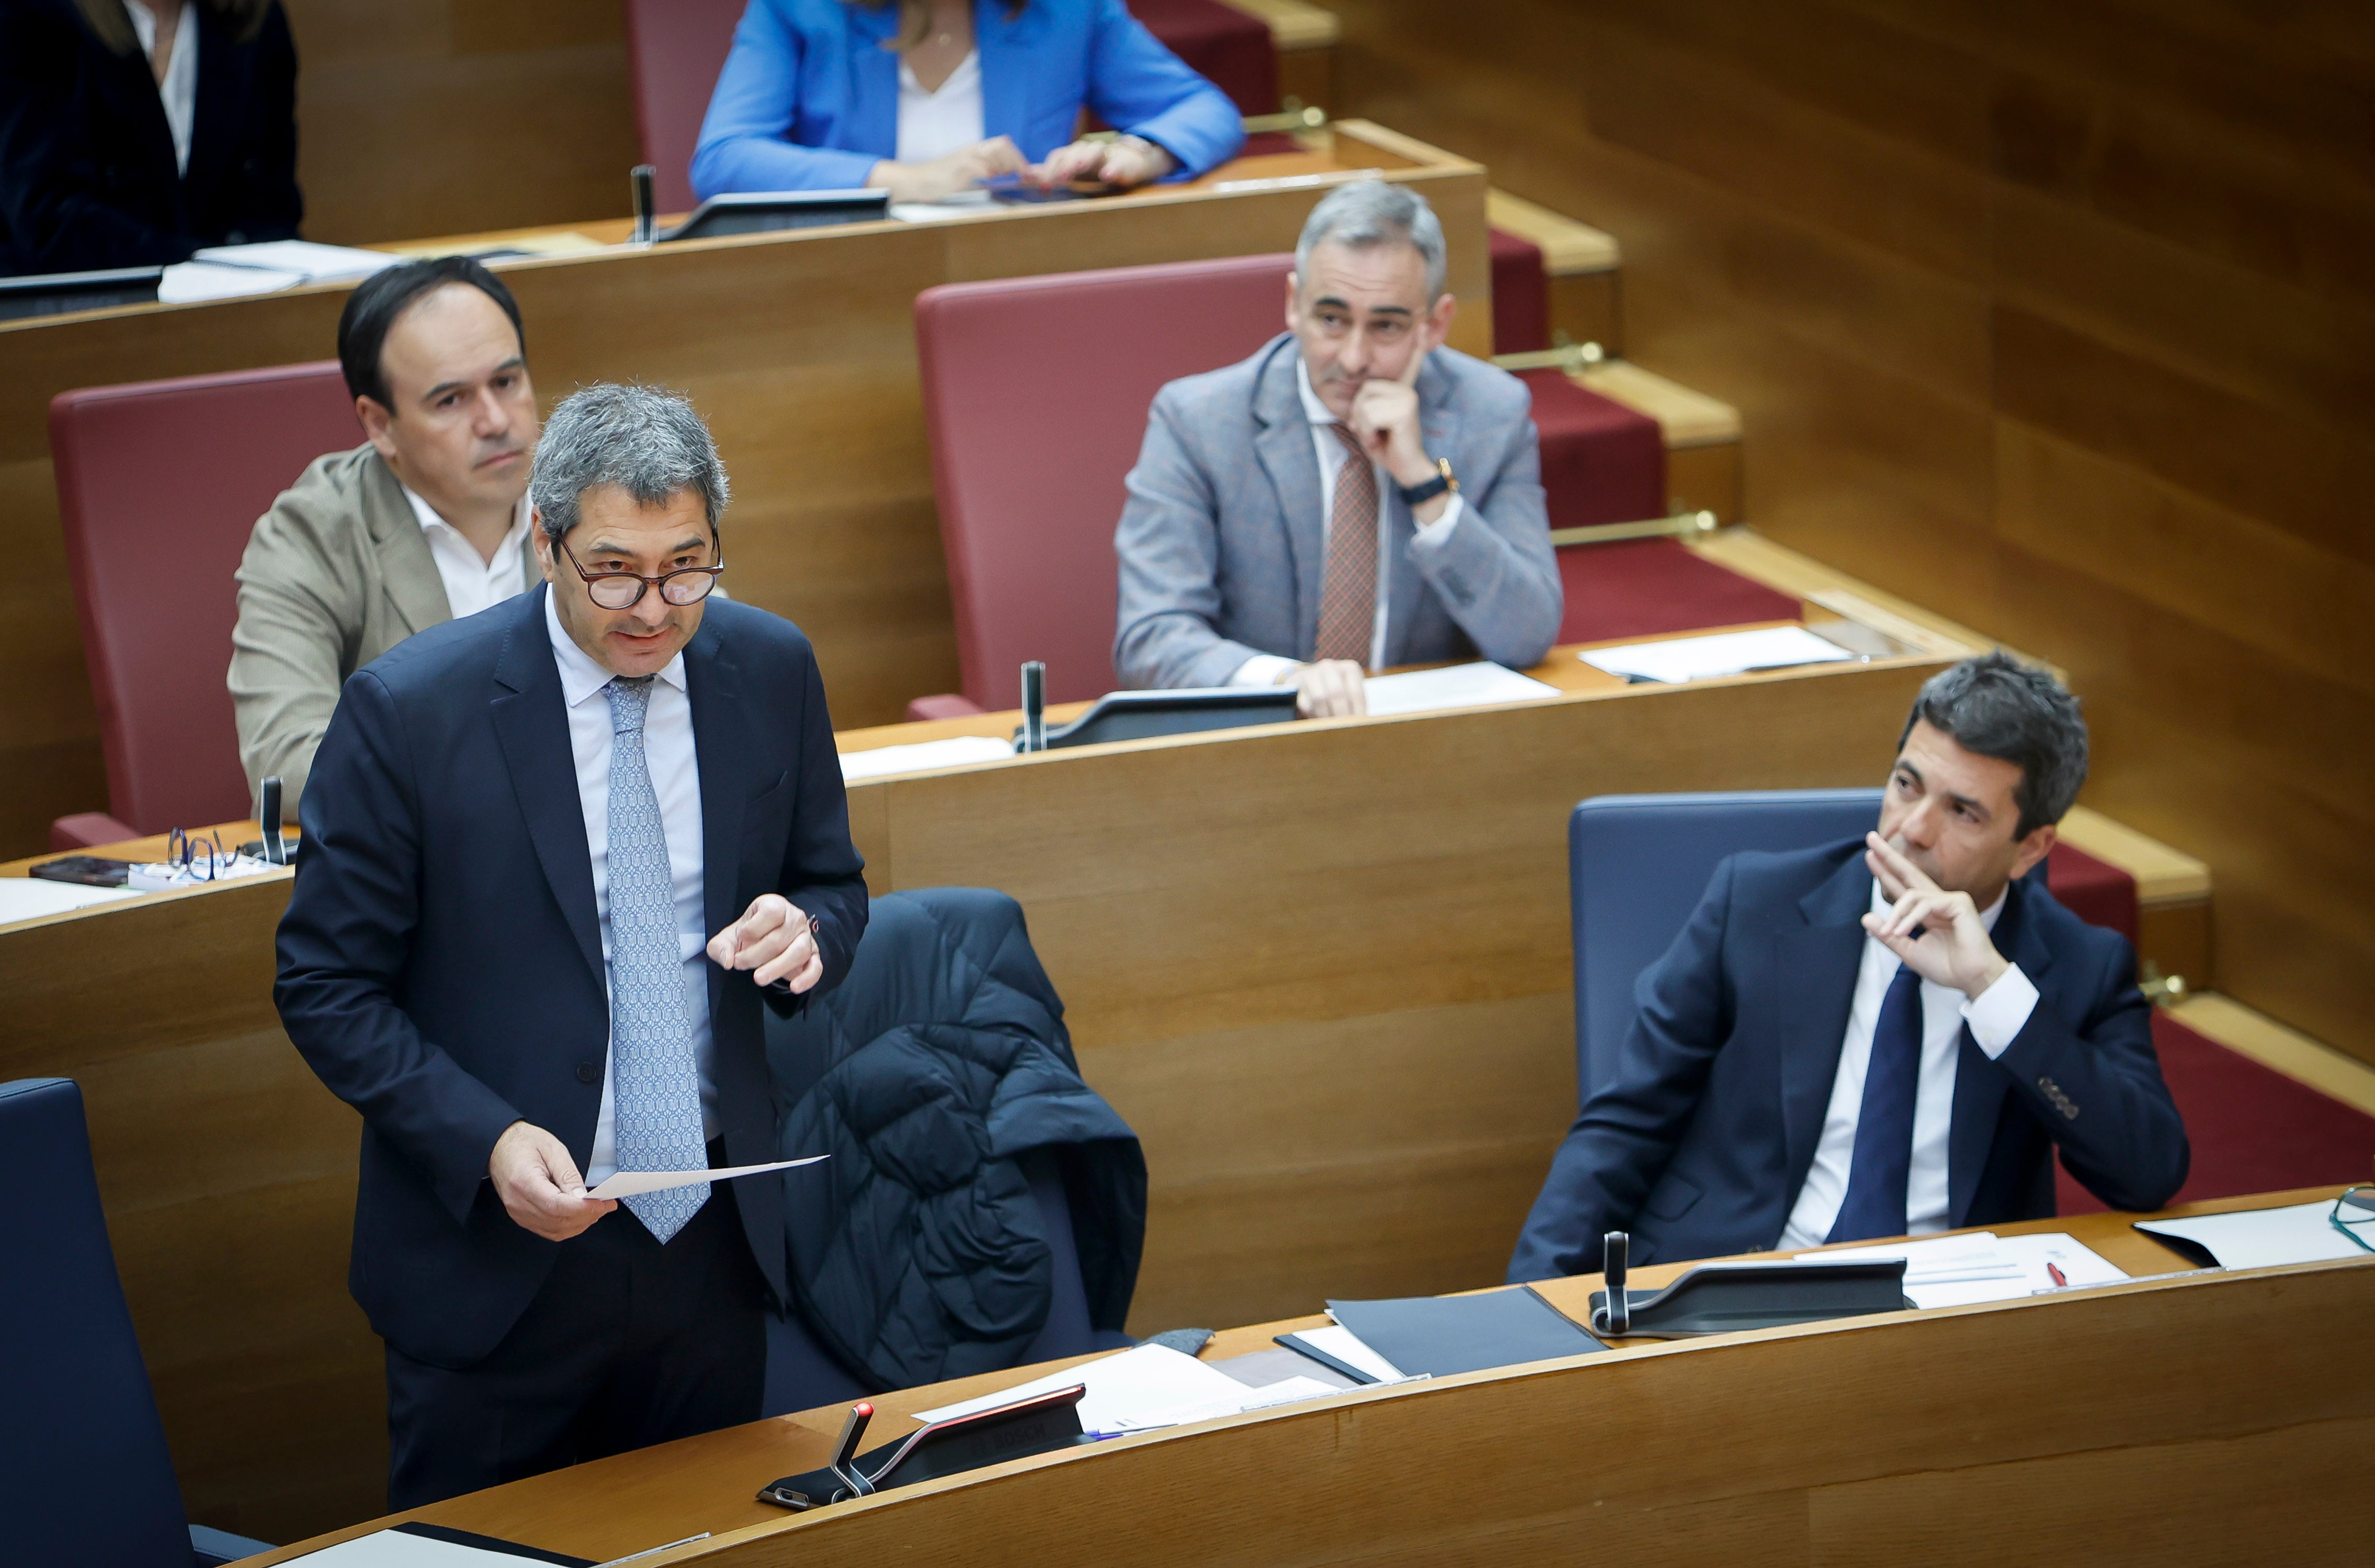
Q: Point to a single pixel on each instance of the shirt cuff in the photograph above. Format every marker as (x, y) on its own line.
(1434, 533)
(1262, 669)
(1998, 1014)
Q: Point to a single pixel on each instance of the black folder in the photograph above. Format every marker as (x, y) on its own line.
(1439, 1336)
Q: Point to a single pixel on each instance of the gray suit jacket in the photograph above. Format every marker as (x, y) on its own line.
(335, 574)
(1220, 542)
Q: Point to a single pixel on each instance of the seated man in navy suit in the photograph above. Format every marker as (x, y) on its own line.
(1881, 1037)
(548, 849)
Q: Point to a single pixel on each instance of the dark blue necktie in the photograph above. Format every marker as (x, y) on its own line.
(1883, 1162)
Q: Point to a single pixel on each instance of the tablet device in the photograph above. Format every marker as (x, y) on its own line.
(763, 212)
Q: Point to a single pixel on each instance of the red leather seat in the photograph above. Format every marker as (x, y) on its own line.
(160, 484)
(1036, 391)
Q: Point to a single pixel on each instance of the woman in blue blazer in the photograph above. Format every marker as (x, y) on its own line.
(837, 94)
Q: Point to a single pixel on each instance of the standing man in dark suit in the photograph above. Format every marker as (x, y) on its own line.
(1884, 1037)
(549, 851)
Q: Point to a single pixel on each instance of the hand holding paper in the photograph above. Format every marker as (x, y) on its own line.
(627, 1184)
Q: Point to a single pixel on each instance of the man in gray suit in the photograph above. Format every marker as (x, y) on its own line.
(425, 521)
(1354, 496)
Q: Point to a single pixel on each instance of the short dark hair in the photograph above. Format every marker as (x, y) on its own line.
(2015, 712)
(386, 294)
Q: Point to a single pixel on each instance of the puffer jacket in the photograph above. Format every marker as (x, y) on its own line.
(920, 1254)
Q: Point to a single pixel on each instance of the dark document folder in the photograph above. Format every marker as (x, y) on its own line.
(1439, 1336)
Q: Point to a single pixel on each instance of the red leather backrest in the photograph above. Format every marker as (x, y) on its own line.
(1035, 393)
(160, 484)
(675, 50)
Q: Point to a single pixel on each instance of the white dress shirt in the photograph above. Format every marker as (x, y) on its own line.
(472, 582)
(933, 124)
(1271, 670)
(179, 87)
(676, 780)
(1996, 1017)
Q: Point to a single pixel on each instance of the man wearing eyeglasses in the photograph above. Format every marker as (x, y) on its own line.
(556, 856)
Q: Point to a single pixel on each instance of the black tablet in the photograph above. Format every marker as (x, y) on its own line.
(763, 212)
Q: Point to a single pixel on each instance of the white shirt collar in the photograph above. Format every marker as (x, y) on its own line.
(1318, 413)
(179, 88)
(581, 677)
(426, 516)
(1987, 916)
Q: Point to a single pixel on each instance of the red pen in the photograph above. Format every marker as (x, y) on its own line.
(2059, 1280)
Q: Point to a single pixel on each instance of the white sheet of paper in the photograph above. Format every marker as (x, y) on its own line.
(314, 261)
(961, 204)
(627, 1184)
(2262, 1238)
(955, 752)
(193, 282)
(1726, 653)
(1351, 1350)
(395, 1548)
(29, 898)
(1984, 1266)
(1289, 1391)
(1455, 686)
(1130, 1385)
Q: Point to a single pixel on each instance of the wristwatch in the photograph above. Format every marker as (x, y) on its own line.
(1419, 495)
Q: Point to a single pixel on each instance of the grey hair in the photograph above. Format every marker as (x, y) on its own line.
(1373, 212)
(648, 443)
(1999, 707)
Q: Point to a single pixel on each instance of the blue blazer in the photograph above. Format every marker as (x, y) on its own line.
(809, 98)
(440, 961)
(1699, 1144)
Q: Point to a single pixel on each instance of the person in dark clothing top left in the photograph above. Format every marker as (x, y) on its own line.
(133, 131)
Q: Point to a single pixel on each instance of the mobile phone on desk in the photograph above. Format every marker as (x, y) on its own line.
(90, 870)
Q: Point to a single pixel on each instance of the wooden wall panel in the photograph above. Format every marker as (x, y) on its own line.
(2058, 318)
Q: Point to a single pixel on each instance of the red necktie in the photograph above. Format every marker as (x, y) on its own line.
(1347, 592)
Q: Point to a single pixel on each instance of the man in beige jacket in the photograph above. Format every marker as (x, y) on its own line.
(425, 521)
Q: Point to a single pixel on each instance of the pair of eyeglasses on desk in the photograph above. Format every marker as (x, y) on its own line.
(2354, 1216)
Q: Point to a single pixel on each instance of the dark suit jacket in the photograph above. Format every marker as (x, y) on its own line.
(440, 961)
(1699, 1144)
(87, 175)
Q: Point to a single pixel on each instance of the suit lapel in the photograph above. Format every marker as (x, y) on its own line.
(713, 685)
(874, 84)
(533, 730)
(1979, 1084)
(1005, 63)
(406, 570)
(1283, 442)
(221, 98)
(1816, 980)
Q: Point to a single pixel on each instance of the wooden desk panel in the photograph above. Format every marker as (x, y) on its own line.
(2198, 1419)
(800, 347)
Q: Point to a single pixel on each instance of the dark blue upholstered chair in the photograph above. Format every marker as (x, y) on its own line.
(85, 1476)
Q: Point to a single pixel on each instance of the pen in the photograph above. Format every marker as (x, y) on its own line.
(2059, 1280)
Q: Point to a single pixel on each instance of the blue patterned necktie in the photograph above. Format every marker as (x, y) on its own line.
(656, 1092)
(1883, 1162)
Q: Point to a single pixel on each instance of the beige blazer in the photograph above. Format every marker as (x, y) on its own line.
(335, 574)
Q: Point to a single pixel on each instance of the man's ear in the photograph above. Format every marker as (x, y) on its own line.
(374, 418)
(1438, 319)
(1293, 293)
(2032, 849)
(545, 554)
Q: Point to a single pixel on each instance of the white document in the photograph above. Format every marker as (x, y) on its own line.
(1130, 1385)
(1351, 1350)
(627, 1184)
(1456, 686)
(2262, 1238)
(29, 898)
(316, 264)
(1983, 1267)
(399, 1548)
(194, 282)
(955, 752)
(1726, 653)
(1289, 1391)
(963, 204)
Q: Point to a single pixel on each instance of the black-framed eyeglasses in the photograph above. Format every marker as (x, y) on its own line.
(624, 590)
(2354, 1216)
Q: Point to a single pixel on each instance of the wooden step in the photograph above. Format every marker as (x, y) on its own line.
(1580, 264)
(2280, 1049)
(1702, 435)
(2172, 894)
(1305, 37)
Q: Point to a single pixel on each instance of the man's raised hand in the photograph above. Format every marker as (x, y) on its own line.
(1954, 947)
(776, 940)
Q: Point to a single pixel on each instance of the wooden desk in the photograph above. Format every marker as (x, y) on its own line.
(1323, 970)
(800, 347)
(2212, 1418)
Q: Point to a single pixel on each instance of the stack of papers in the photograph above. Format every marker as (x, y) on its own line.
(2264, 1238)
(226, 272)
(923, 754)
(1726, 653)
(29, 898)
(1984, 1266)
(1145, 1388)
(1458, 686)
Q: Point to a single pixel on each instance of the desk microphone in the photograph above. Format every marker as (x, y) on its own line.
(845, 1451)
(1034, 706)
(1620, 1306)
(646, 221)
(276, 845)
